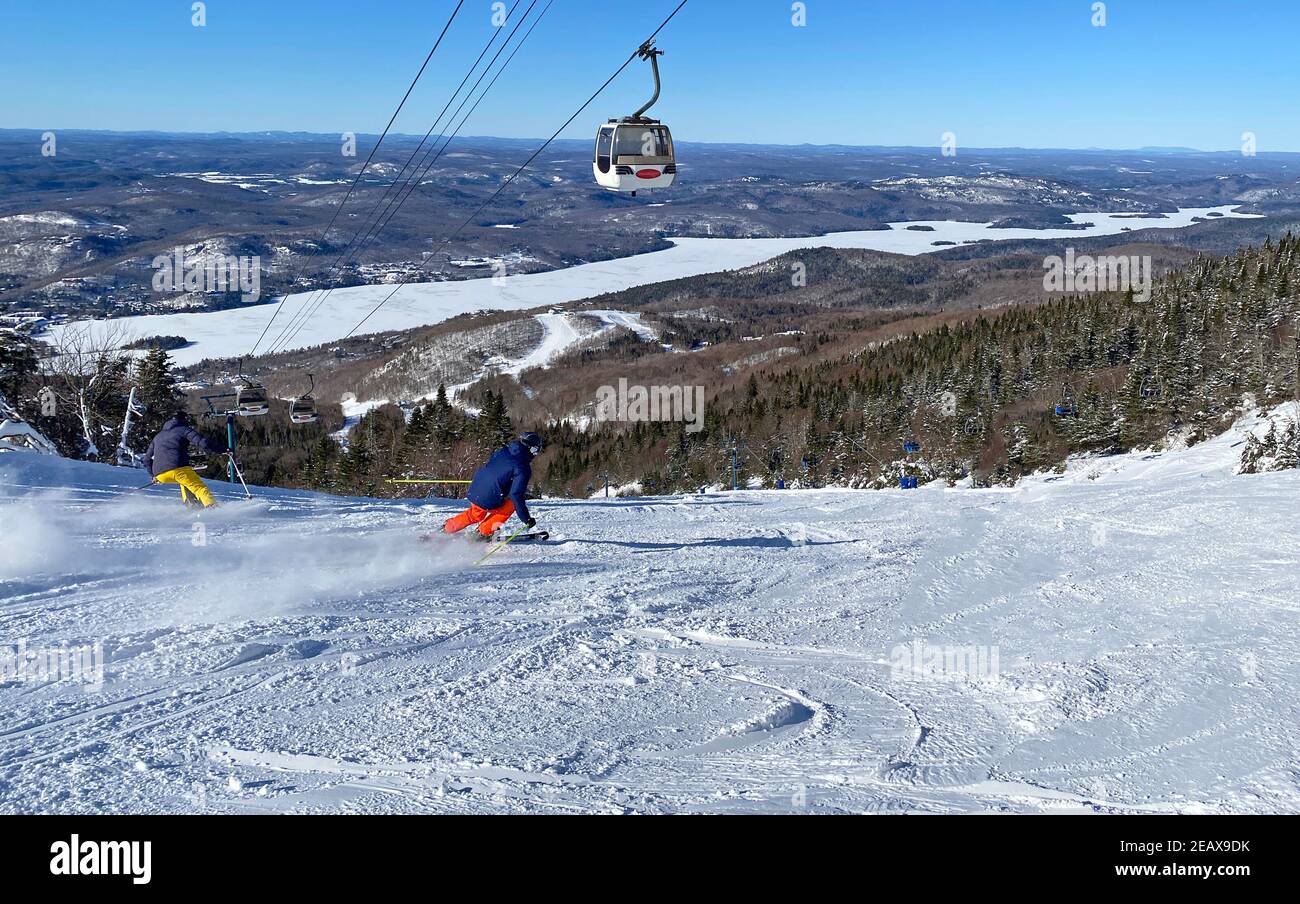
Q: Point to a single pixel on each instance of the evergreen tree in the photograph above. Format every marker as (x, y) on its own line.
(156, 394)
(17, 367)
(494, 422)
(1287, 456)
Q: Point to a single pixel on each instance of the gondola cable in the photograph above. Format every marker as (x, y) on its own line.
(316, 296)
(365, 166)
(427, 164)
(422, 169)
(635, 54)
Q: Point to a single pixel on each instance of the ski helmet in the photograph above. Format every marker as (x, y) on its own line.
(181, 416)
(532, 442)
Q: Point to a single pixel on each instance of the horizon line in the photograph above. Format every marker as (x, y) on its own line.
(269, 133)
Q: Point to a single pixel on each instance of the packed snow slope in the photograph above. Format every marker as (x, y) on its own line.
(1136, 619)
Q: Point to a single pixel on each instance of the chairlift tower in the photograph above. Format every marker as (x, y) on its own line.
(229, 415)
(605, 476)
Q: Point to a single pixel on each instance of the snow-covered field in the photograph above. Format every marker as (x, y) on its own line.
(232, 333)
(1122, 638)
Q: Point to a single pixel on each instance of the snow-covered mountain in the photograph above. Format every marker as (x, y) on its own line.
(1121, 637)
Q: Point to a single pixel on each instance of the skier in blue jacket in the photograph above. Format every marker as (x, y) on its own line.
(168, 458)
(499, 488)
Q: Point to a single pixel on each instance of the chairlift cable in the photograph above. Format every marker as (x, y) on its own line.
(635, 54)
(364, 167)
(316, 297)
(425, 165)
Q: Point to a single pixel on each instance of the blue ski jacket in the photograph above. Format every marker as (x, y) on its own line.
(170, 449)
(505, 476)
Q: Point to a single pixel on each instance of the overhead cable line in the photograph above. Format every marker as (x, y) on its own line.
(367, 233)
(635, 54)
(365, 166)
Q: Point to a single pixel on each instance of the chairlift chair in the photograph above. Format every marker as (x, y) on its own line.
(1066, 407)
(636, 153)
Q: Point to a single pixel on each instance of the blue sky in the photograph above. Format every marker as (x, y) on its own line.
(1026, 73)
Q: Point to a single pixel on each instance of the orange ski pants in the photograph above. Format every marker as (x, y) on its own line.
(488, 520)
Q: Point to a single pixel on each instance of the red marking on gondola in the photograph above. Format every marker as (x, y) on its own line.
(648, 174)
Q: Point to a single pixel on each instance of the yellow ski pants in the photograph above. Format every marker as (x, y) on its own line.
(190, 483)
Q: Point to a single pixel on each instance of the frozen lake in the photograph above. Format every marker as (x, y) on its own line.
(232, 333)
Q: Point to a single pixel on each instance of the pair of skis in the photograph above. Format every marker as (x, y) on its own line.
(536, 535)
(518, 536)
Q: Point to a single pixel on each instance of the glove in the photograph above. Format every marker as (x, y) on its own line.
(530, 523)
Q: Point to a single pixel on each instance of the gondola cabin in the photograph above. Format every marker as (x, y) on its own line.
(251, 401)
(1067, 407)
(303, 411)
(634, 155)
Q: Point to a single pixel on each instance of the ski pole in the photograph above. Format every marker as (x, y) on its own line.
(501, 545)
(234, 464)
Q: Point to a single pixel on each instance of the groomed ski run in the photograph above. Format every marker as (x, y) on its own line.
(1122, 638)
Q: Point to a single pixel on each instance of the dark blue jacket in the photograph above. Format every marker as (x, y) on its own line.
(505, 476)
(170, 449)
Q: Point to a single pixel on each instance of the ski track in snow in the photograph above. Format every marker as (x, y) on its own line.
(560, 336)
(723, 653)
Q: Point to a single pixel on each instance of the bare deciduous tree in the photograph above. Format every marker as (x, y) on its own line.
(87, 365)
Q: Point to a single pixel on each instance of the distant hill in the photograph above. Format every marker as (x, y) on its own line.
(79, 231)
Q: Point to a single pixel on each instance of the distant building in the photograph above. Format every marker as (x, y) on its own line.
(26, 324)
